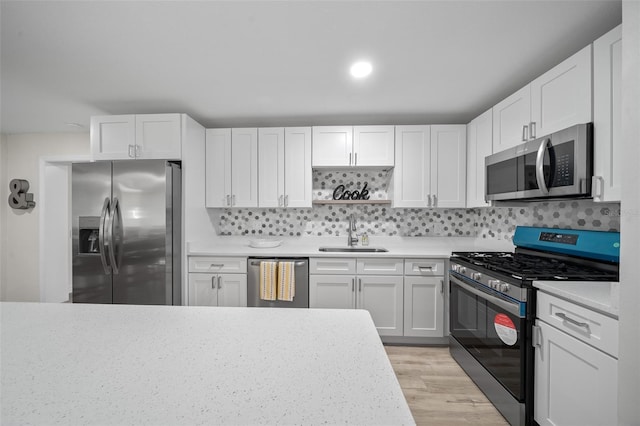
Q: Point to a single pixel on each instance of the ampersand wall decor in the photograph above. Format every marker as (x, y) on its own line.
(19, 198)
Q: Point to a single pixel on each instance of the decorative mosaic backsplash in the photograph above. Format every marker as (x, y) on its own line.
(489, 222)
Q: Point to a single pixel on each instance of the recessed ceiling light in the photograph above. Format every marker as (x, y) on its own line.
(361, 69)
(76, 125)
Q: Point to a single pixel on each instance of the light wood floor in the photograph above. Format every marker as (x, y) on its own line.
(438, 391)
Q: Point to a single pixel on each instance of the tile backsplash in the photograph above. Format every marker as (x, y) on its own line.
(488, 222)
(375, 219)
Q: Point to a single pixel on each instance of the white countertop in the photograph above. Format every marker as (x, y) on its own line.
(434, 247)
(601, 296)
(125, 364)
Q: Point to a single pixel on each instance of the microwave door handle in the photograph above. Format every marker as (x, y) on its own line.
(540, 165)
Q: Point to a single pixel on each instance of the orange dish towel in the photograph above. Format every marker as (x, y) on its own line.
(286, 281)
(268, 280)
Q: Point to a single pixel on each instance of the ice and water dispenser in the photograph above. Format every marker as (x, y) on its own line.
(89, 227)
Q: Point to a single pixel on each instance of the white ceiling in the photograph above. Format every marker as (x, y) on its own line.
(262, 63)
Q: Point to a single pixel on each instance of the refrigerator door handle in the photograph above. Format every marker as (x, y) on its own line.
(115, 253)
(103, 234)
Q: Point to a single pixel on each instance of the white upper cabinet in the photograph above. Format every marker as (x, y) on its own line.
(448, 165)
(231, 167)
(607, 103)
(431, 166)
(511, 118)
(346, 146)
(479, 145)
(284, 165)
(373, 146)
(332, 146)
(144, 136)
(412, 173)
(559, 98)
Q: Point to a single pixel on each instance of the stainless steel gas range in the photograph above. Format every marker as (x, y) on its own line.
(492, 306)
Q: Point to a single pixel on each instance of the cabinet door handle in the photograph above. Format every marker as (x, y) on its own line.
(280, 201)
(532, 130)
(353, 284)
(216, 265)
(286, 200)
(219, 282)
(355, 161)
(360, 285)
(233, 200)
(131, 154)
(525, 133)
(229, 200)
(213, 283)
(564, 317)
(420, 268)
(428, 200)
(435, 200)
(350, 158)
(597, 186)
(442, 286)
(137, 151)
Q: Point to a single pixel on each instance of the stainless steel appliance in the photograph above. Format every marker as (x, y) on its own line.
(126, 221)
(492, 306)
(556, 165)
(301, 270)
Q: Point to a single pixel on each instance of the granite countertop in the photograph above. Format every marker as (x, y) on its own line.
(127, 364)
(433, 247)
(601, 296)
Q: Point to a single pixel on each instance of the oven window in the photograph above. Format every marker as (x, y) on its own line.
(501, 177)
(492, 335)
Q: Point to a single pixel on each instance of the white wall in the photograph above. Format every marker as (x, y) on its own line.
(629, 376)
(19, 255)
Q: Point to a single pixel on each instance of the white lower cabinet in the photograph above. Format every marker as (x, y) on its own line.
(423, 306)
(217, 281)
(405, 297)
(380, 294)
(575, 383)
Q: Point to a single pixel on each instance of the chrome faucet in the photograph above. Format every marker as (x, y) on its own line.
(353, 240)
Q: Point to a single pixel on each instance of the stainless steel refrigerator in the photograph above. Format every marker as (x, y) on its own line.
(126, 232)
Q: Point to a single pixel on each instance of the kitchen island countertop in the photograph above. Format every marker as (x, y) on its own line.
(125, 364)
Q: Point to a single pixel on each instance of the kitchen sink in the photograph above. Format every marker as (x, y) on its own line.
(354, 249)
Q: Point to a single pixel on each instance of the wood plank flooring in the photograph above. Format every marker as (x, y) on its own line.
(438, 391)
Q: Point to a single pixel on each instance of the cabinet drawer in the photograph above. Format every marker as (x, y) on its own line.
(332, 266)
(380, 266)
(426, 267)
(227, 265)
(594, 328)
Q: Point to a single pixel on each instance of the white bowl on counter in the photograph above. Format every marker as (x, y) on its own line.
(264, 243)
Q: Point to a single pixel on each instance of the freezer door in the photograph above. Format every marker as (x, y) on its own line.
(142, 232)
(91, 208)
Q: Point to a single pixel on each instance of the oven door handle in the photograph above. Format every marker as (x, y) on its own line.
(511, 307)
(540, 165)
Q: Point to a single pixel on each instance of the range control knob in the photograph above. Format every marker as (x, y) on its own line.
(462, 270)
(494, 284)
(504, 287)
(476, 276)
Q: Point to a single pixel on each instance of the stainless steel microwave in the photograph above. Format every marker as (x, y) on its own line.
(559, 165)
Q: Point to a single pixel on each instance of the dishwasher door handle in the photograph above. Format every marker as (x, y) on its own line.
(296, 263)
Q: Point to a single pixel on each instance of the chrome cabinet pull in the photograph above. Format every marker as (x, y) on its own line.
(216, 265)
(213, 283)
(131, 154)
(355, 161)
(286, 200)
(280, 201)
(597, 187)
(428, 200)
(233, 200)
(532, 130)
(219, 282)
(435, 200)
(353, 284)
(360, 285)
(229, 200)
(349, 158)
(442, 286)
(564, 317)
(525, 133)
(137, 151)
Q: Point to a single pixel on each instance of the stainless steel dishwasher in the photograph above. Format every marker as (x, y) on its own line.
(301, 298)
